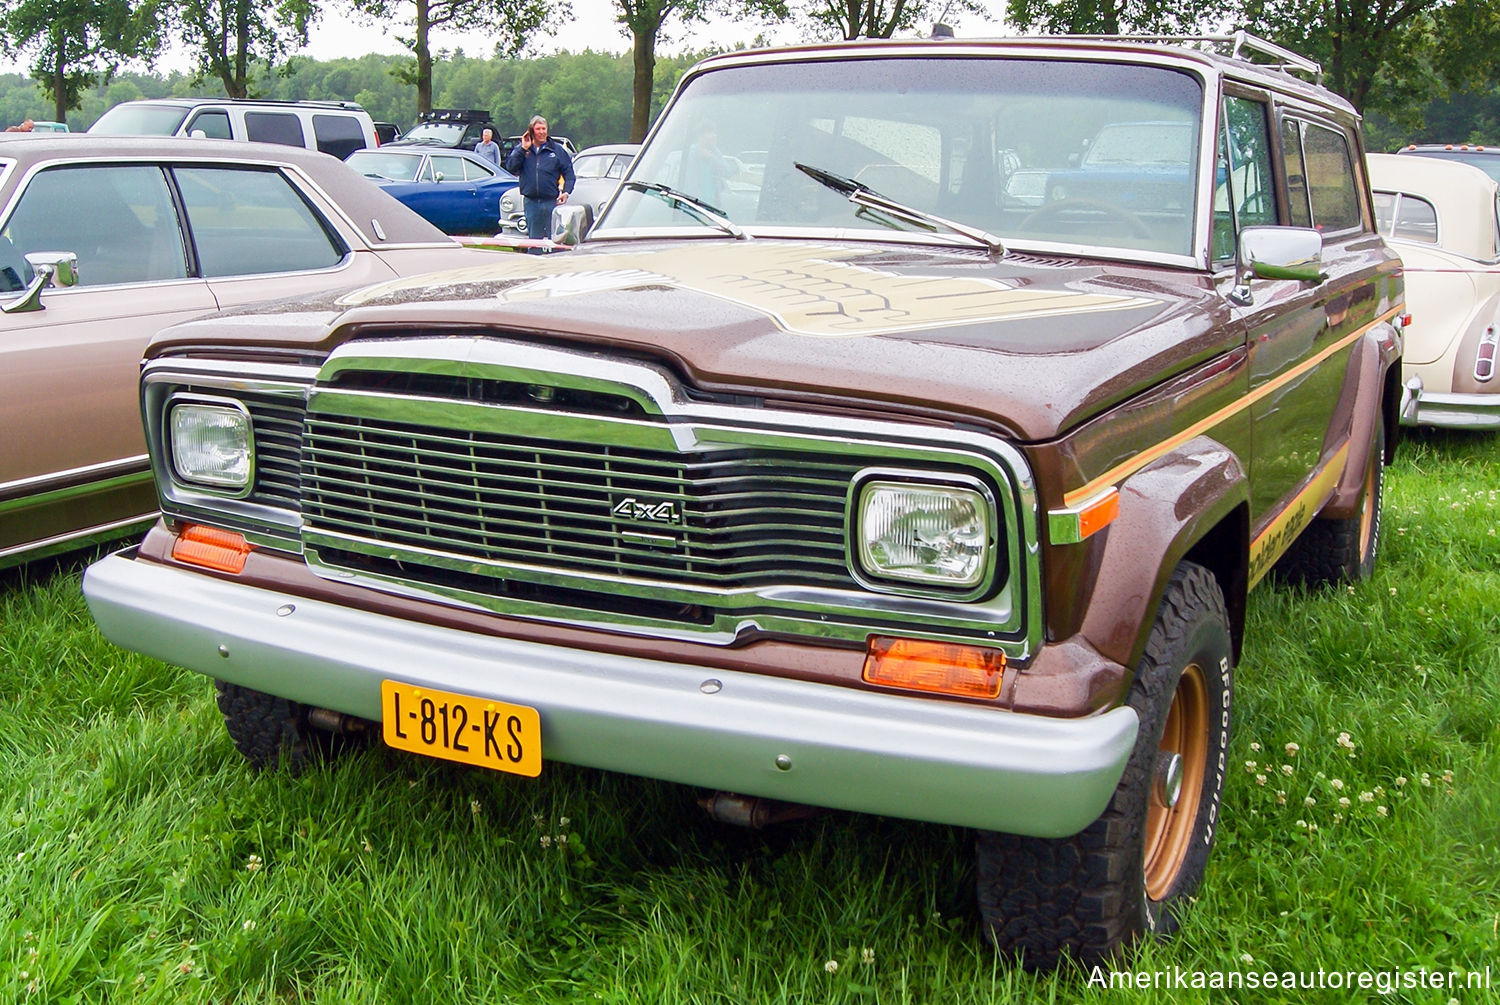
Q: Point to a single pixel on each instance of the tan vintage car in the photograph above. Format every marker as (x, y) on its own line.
(104, 241)
(1443, 217)
(871, 482)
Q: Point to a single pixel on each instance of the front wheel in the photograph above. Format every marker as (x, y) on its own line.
(1131, 871)
(270, 731)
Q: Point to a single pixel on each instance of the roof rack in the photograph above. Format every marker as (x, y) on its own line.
(1239, 43)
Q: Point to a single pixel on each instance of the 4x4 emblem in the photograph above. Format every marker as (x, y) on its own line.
(661, 511)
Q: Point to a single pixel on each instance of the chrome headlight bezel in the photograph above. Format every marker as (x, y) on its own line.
(865, 567)
(234, 486)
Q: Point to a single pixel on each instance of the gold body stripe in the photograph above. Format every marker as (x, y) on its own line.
(1145, 457)
(1282, 531)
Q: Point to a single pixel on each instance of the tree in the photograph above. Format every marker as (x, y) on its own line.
(645, 19)
(1111, 17)
(880, 18)
(1388, 55)
(229, 37)
(77, 43)
(510, 21)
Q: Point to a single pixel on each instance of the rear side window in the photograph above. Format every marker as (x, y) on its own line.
(275, 127)
(118, 220)
(450, 169)
(212, 124)
(1330, 180)
(250, 221)
(339, 135)
(1408, 217)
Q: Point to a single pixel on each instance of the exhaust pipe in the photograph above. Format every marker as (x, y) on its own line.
(755, 812)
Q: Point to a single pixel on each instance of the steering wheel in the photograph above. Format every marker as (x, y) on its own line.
(1039, 219)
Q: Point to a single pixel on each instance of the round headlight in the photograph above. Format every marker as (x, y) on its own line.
(211, 444)
(938, 535)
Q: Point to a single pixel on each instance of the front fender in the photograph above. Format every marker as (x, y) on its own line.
(1192, 502)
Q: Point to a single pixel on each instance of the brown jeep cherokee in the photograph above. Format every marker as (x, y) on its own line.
(903, 439)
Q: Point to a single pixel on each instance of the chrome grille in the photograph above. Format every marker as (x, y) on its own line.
(727, 517)
(277, 424)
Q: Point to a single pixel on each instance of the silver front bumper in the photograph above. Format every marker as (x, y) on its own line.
(802, 742)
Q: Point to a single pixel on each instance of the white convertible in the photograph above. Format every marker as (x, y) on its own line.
(1441, 216)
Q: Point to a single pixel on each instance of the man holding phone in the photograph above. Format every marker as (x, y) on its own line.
(546, 174)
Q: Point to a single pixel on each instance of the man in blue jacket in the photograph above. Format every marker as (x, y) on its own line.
(546, 174)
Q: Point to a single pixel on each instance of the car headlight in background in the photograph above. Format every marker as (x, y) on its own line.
(924, 533)
(211, 443)
(508, 203)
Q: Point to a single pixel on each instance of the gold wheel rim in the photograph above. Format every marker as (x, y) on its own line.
(1169, 830)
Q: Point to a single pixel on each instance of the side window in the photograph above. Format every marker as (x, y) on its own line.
(426, 173)
(1330, 180)
(449, 169)
(212, 124)
(250, 221)
(1416, 220)
(1244, 192)
(617, 169)
(339, 135)
(118, 220)
(1300, 211)
(275, 127)
(476, 172)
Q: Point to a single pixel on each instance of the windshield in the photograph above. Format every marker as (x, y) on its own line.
(140, 119)
(376, 164)
(434, 132)
(996, 144)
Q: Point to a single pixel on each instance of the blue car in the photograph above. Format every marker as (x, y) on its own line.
(456, 191)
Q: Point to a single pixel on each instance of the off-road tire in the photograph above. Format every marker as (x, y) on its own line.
(271, 731)
(1331, 551)
(1131, 871)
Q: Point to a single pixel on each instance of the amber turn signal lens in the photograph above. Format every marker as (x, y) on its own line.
(220, 550)
(938, 667)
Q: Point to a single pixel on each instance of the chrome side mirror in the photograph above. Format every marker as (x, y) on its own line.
(48, 268)
(571, 223)
(1294, 253)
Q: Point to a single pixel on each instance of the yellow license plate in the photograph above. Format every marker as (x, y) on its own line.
(459, 727)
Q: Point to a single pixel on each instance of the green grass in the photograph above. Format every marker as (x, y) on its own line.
(140, 860)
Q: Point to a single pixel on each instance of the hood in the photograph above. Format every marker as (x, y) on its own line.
(1031, 345)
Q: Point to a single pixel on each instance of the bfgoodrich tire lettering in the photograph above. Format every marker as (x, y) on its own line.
(1131, 871)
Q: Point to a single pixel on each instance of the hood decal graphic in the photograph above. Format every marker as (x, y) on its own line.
(814, 290)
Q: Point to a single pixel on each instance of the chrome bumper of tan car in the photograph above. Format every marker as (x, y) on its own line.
(1420, 407)
(796, 741)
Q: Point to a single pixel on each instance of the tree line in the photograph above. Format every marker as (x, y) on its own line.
(1392, 60)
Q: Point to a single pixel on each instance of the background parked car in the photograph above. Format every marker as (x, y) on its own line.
(337, 128)
(454, 128)
(387, 132)
(1441, 216)
(454, 190)
(163, 230)
(1485, 158)
(598, 171)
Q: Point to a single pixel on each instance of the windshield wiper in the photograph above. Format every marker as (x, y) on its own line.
(694, 207)
(866, 197)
